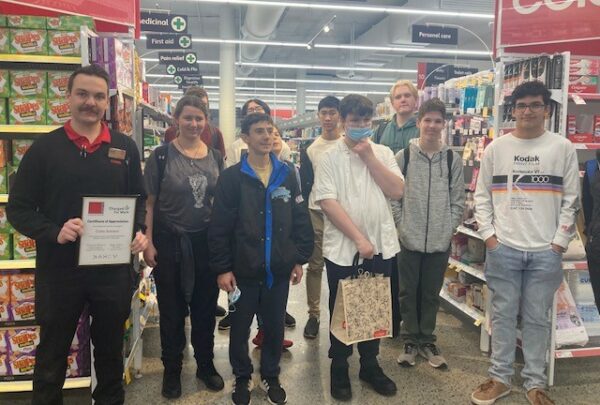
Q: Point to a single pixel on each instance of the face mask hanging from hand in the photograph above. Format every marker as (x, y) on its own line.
(358, 134)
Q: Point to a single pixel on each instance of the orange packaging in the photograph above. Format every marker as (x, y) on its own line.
(59, 111)
(64, 43)
(57, 84)
(28, 83)
(22, 287)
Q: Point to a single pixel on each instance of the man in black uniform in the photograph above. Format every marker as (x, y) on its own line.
(82, 158)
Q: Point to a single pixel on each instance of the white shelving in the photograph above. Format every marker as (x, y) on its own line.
(477, 316)
(469, 232)
(471, 269)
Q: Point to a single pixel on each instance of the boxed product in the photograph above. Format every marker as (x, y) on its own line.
(571, 124)
(58, 83)
(4, 40)
(23, 247)
(4, 83)
(22, 287)
(28, 42)
(27, 111)
(587, 63)
(3, 181)
(3, 342)
(596, 125)
(4, 287)
(20, 148)
(4, 317)
(64, 43)
(5, 227)
(3, 21)
(583, 84)
(22, 311)
(21, 364)
(28, 83)
(3, 119)
(70, 23)
(23, 340)
(26, 21)
(5, 246)
(59, 111)
(4, 364)
(584, 70)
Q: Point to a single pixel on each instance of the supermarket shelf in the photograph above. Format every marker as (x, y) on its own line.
(62, 60)
(18, 324)
(579, 352)
(155, 112)
(588, 146)
(469, 232)
(477, 316)
(586, 96)
(27, 385)
(474, 271)
(575, 265)
(17, 264)
(27, 129)
(3, 198)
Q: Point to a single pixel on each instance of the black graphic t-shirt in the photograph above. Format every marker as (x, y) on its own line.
(187, 189)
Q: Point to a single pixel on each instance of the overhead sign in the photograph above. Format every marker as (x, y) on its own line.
(177, 58)
(184, 81)
(188, 70)
(433, 34)
(432, 74)
(168, 41)
(162, 22)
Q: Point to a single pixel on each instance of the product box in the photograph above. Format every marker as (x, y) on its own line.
(58, 83)
(28, 42)
(22, 311)
(3, 152)
(584, 70)
(5, 227)
(6, 249)
(27, 111)
(21, 364)
(23, 247)
(22, 287)
(3, 181)
(4, 83)
(59, 111)
(587, 63)
(581, 138)
(4, 287)
(28, 83)
(19, 148)
(3, 21)
(70, 23)
(26, 21)
(3, 118)
(23, 340)
(4, 41)
(571, 124)
(4, 369)
(583, 84)
(4, 317)
(64, 43)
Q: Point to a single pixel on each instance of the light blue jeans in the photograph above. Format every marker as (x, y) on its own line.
(525, 281)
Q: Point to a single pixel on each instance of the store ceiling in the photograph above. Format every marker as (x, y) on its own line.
(300, 25)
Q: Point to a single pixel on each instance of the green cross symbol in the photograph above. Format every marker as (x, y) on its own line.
(191, 58)
(171, 70)
(177, 79)
(185, 42)
(178, 24)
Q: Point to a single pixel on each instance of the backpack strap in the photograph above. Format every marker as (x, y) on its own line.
(406, 159)
(591, 167)
(379, 132)
(160, 155)
(449, 160)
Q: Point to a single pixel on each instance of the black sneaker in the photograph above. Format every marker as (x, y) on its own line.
(275, 392)
(340, 383)
(241, 391)
(375, 377)
(220, 311)
(225, 323)
(311, 330)
(209, 375)
(171, 386)
(290, 321)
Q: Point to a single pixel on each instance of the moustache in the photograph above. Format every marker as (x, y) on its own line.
(88, 109)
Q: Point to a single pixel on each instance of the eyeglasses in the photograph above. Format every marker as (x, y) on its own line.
(533, 107)
(255, 110)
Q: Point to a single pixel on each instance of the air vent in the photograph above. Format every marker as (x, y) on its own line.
(472, 6)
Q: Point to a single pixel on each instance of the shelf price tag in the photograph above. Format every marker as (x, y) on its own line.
(478, 322)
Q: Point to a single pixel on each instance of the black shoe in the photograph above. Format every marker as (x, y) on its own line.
(340, 383)
(241, 391)
(220, 311)
(290, 321)
(171, 387)
(378, 381)
(275, 392)
(207, 373)
(311, 330)
(225, 323)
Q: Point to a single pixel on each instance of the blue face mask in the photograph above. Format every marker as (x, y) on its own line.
(358, 134)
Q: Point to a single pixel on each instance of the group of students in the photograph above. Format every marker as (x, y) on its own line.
(248, 222)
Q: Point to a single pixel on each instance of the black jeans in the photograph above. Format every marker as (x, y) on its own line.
(172, 306)
(592, 249)
(270, 305)
(369, 350)
(60, 297)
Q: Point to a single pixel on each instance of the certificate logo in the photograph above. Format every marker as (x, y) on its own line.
(95, 208)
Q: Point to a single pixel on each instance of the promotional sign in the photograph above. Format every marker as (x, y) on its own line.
(177, 58)
(432, 74)
(528, 22)
(434, 34)
(168, 41)
(188, 70)
(162, 22)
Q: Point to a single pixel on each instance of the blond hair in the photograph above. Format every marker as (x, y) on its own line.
(411, 87)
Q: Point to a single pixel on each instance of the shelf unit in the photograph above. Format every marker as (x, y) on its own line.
(17, 264)
(27, 129)
(472, 269)
(478, 317)
(27, 385)
(41, 59)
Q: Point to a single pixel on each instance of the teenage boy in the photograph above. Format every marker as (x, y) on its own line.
(397, 133)
(329, 117)
(259, 237)
(429, 213)
(354, 182)
(81, 158)
(526, 203)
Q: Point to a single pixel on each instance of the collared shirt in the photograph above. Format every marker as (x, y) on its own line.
(83, 143)
(343, 176)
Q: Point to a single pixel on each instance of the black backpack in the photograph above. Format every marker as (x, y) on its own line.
(449, 160)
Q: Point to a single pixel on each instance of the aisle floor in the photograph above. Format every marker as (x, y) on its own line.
(305, 370)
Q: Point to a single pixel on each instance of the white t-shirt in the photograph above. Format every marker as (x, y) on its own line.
(315, 153)
(343, 176)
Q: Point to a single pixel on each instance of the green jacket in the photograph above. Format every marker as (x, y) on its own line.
(397, 138)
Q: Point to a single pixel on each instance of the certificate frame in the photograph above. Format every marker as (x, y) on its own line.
(109, 225)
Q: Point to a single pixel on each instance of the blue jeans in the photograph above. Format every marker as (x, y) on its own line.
(525, 281)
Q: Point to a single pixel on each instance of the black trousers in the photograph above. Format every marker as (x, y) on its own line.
(60, 297)
(593, 258)
(270, 304)
(172, 306)
(369, 350)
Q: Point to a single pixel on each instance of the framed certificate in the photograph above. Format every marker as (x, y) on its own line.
(108, 225)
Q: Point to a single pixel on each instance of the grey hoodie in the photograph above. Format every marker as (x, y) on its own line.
(430, 210)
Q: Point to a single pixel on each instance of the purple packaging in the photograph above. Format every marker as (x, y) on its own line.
(82, 334)
(21, 364)
(4, 317)
(22, 311)
(22, 340)
(78, 363)
(3, 342)
(4, 370)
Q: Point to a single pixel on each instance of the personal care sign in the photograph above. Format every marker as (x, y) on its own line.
(434, 34)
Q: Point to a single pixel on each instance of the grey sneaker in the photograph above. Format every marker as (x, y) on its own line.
(311, 330)
(432, 354)
(408, 357)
